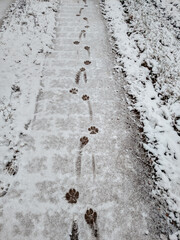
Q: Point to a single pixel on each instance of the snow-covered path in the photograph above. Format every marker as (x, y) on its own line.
(79, 139)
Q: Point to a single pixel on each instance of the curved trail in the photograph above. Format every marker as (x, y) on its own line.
(78, 179)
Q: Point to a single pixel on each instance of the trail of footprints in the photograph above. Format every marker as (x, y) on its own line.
(79, 73)
(72, 195)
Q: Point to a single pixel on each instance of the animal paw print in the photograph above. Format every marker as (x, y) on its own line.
(85, 97)
(74, 233)
(86, 19)
(73, 91)
(3, 188)
(11, 167)
(93, 130)
(78, 75)
(80, 11)
(82, 33)
(76, 42)
(87, 62)
(84, 140)
(72, 196)
(82, 69)
(90, 216)
(87, 48)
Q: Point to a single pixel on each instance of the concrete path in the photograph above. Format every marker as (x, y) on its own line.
(78, 175)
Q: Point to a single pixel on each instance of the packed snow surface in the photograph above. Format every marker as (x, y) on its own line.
(146, 36)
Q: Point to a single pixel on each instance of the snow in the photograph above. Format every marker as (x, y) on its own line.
(4, 4)
(147, 51)
(146, 42)
(43, 122)
(23, 48)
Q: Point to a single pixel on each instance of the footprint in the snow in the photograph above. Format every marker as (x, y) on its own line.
(11, 167)
(86, 19)
(74, 232)
(73, 91)
(84, 141)
(3, 188)
(76, 42)
(85, 1)
(82, 33)
(91, 219)
(87, 26)
(87, 62)
(86, 98)
(93, 130)
(72, 196)
(80, 11)
(15, 88)
(90, 216)
(78, 75)
(87, 49)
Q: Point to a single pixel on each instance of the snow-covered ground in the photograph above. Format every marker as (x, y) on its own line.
(25, 38)
(4, 4)
(146, 38)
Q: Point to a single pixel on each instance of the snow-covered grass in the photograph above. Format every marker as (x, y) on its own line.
(146, 43)
(26, 37)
